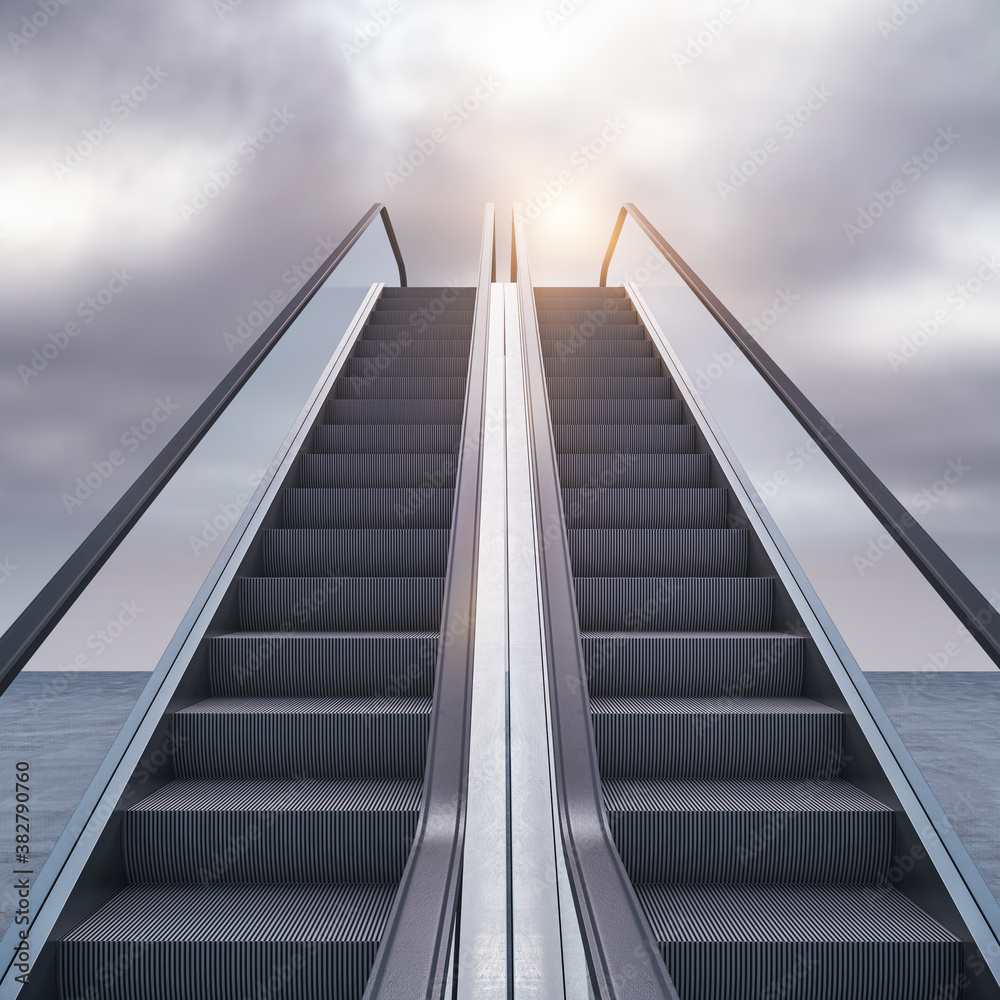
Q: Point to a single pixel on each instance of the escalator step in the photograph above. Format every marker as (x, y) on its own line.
(375, 348)
(377, 470)
(542, 295)
(395, 411)
(371, 508)
(355, 551)
(361, 665)
(651, 508)
(302, 738)
(693, 665)
(670, 471)
(405, 367)
(624, 439)
(819, 941)
(261, 830)
(406, 439)
(675, 604)
(618, 321)
(390, 387)
(613, 367)
(717, 738)
(314, 604)
(170, 940)
(617, 411)
(602, 387)
(748, 831)
(675, 552)
(556, 348)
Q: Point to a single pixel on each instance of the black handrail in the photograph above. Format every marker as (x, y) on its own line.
(954, 587)
(412, 960)
(623, 958)
(31, 627)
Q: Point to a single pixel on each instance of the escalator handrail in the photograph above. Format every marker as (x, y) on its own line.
(413, 959)
(952, 585)
(40, 617)
(623, 958)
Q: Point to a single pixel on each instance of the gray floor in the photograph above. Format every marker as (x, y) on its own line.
(63, 725)
(949, 722)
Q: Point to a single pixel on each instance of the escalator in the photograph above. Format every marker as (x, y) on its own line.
(269, 857)
(736, 788)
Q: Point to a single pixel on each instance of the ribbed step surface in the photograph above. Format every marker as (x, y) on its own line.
(716, 737)
(241, 831)
(368, 508)
(268, 865)
(749, 831)
(302, 738)
(311, 941)
(362, 664)
(760, 870)
(693, 664)
(650, 508)
(807, 942)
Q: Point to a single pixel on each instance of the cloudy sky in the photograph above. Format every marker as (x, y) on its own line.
(163, 166)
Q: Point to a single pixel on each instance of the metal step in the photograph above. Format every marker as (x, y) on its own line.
(260, 830)
(608, 387)
(662, 471)
(616, 411)
(693, 664)
(340, 604)
(386, 439)
(607, 507)
(323, 665)
(366, 552)
(593, 367)
(377, 737)
(364, 471)
(748, 830)
(717, 737)
(311, 940)
(368, 508)
(624, 439)
(658, 551)
(819, 941)
(574, 344)
(675, 604)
